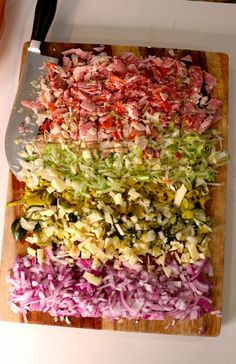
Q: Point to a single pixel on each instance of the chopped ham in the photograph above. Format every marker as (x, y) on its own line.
(88, 105)
(99, 98)
(67, 64)
(196, 80)
(213, 105)
(205, 124)
(187, 58)
(79, 72)
(119, 67)
(34, 105)
(210, 82)
(79, 52)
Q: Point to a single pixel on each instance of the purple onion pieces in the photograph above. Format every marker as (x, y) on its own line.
(62, 291)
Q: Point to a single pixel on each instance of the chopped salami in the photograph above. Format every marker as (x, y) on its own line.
(107, 98)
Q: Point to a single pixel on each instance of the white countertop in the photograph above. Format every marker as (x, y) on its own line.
(166, 23)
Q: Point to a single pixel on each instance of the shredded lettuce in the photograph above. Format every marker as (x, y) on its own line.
(123, 205)
(190, 159)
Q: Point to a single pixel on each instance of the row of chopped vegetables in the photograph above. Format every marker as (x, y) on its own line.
(116, 189)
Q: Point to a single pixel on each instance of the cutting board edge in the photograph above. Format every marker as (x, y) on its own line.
(142, 45)
(112, 327)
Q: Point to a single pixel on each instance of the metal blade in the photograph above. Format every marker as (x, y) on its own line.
(21, 117)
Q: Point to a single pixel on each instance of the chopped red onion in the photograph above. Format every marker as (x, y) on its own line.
(62, 291)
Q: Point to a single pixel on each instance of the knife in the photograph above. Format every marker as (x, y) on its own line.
(22, 125)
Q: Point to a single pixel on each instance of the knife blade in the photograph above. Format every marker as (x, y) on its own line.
(22, 125)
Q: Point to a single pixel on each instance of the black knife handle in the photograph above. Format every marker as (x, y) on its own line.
(43, 17)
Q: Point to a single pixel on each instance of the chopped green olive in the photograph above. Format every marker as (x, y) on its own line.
(37, 227)
(72, 217)
(17, 230)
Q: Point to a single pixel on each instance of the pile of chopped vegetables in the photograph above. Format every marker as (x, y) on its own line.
(135, 293)
(116, 186)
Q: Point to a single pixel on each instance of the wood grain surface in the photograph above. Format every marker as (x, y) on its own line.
(2, 7)
(216, 64)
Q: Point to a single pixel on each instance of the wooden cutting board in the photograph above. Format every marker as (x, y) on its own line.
(216, 64)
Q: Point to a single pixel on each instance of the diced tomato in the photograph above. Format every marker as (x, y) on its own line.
(167, 105)
(133, 135)
(178, 155)
(107, 107)
(107, 123)
(101, 98)
(46, 126)
(117, 81)
(51, 106)
(119, 108)
(60, 121)
(50, 65)
(116, 135)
